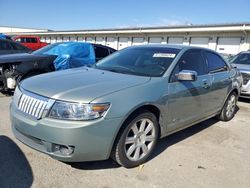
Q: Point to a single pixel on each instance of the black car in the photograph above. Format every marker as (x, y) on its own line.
(11, 47)
(58, 56)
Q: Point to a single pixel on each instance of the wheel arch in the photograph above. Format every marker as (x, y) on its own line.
(236, 90)
(145, 107)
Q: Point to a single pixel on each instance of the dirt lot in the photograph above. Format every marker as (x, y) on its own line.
(210, 154)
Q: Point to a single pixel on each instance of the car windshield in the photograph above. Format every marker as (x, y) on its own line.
(141, 61)
(242, 58)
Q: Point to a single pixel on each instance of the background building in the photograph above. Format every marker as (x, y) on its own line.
(224, 38)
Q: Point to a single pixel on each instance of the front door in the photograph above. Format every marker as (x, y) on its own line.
(187, 100)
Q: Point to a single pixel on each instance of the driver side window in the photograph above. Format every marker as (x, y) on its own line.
(190, 60)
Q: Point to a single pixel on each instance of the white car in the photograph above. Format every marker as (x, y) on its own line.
(242, 62)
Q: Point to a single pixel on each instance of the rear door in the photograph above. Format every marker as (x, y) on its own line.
(220, 80)
(187, 100)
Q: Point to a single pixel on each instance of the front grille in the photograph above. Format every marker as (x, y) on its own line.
(246, 77)
(32, 106)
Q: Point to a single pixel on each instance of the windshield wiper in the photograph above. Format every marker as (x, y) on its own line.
(90, 65)
(122, 70)
(116, 71)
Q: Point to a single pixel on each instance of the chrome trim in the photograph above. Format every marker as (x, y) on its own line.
(49, 105)
(17, 96)
(33, 105)
(187, 75)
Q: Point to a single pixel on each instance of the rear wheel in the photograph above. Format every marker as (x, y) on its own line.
(137, 140)
(229, 109)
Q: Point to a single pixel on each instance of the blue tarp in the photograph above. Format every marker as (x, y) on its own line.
(72, 54)
(2, 36)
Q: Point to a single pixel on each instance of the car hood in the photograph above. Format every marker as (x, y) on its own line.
(20, 57)
(80, 84)
(242, 67)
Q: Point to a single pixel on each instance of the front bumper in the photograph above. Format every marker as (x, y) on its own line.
(91, 140)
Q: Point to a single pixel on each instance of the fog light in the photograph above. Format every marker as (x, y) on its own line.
(64, 150)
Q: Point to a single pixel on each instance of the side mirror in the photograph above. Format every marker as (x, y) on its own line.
(187, 75)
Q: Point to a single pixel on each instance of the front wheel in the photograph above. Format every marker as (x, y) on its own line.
(229, 109)
(137, 140)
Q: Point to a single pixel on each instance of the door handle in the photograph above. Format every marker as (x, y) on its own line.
(205, 84)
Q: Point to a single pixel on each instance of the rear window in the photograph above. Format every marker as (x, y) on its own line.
(31, 40)
(215, 62)
(27, 40)
(101, 52)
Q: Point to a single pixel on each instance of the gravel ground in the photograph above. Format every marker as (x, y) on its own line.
(210, 154)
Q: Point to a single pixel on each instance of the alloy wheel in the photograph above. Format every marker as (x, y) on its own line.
(140, 139)
(231, 106)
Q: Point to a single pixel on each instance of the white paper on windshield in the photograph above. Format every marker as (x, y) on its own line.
(166, 55)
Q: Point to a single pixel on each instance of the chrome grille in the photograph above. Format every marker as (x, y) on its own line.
(246, 77)
(32, 106)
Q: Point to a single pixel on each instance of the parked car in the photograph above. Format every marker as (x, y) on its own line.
(10, 47)
(16, 67)
(31, 42)
(242, 62)
(124, 104)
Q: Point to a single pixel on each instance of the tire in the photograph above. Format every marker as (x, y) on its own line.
(229, 109)
(136, 140)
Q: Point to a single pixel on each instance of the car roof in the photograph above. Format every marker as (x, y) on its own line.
(180, 47)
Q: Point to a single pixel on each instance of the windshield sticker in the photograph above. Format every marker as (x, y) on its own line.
(167, 55)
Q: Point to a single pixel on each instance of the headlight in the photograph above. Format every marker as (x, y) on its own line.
(77, 111)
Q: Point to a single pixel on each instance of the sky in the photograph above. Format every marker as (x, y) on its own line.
(98, 14)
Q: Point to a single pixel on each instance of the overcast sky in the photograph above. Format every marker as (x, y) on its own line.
(96, 14)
